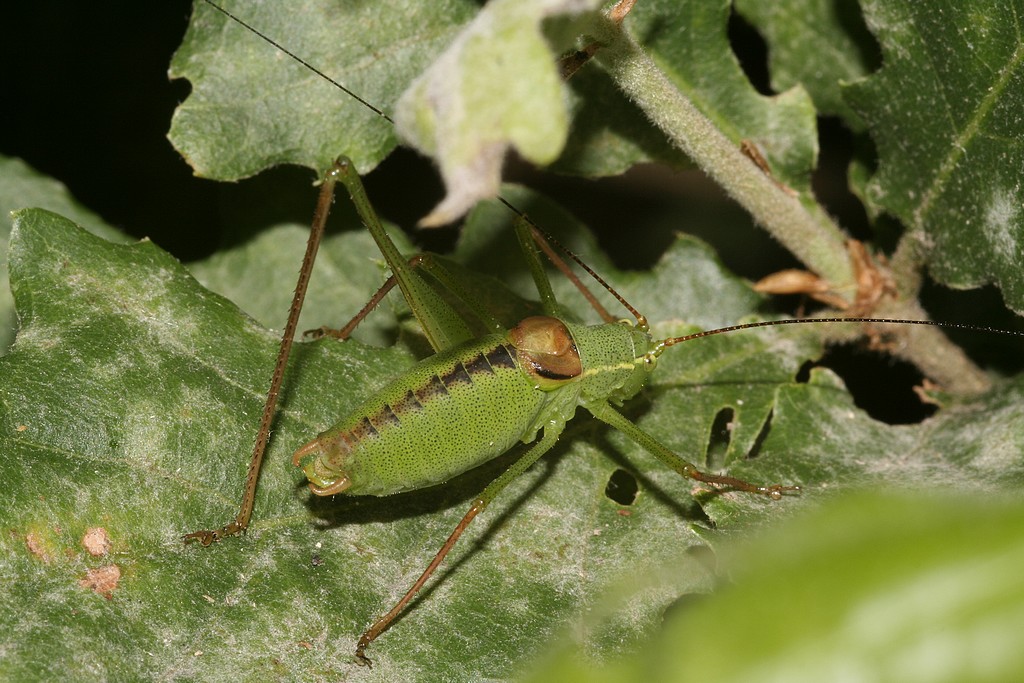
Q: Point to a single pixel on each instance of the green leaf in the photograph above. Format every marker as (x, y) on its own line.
(883, 585)
(252, 107)
(833, 32)
(943, 112)
(129, 403)
(22, 187)
(496, 87)
(130, 400)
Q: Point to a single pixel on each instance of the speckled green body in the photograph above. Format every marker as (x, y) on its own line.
(464, 406)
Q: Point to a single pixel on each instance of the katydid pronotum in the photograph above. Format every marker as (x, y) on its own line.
(550, 366)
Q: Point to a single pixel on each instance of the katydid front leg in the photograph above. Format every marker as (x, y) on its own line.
(604, 412)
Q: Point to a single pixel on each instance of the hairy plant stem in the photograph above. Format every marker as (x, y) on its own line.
(802, 226)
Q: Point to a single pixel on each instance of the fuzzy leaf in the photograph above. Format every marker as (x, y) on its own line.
(496, 87)
(253, 107)
(22, 187)
(944, 114)
(129, 402)
(833, 32)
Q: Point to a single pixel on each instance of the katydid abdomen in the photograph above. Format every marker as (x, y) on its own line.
(450, 413)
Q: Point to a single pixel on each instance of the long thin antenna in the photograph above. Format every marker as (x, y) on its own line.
(301, 61)
(672, 341)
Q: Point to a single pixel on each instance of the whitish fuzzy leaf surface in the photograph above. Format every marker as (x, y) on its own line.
(22, 187)
(129, 403)
(944, 112)
(497, 87)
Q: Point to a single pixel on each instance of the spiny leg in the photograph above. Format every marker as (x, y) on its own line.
(530, 238)
(349, 327)
(604, 412)
(548, 440)
(241, 521)
(426, 263)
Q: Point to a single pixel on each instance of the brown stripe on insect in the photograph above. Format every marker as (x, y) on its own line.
(478, 366)
(364, 430)
(457, 375)
(432, 390)
(407, 404)
(385, 418)
(500, 357)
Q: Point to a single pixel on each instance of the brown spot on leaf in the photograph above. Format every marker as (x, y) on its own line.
(96, 541)
(35, 546)
(102, 580)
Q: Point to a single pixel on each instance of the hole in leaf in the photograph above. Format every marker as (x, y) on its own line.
(766, 428)
(622, 487)
(881, 386)
(721, 436)
(830, 179)
(803, 375)
(985, 307)
(751, 51)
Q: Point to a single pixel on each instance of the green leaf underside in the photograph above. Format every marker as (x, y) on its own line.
(496, 87)
(131, 398)
(833, 32)
(689, 42)
(950, 143)
(22, 187)
(252, 107)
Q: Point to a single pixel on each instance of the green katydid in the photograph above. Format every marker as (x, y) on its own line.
(520, 383)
